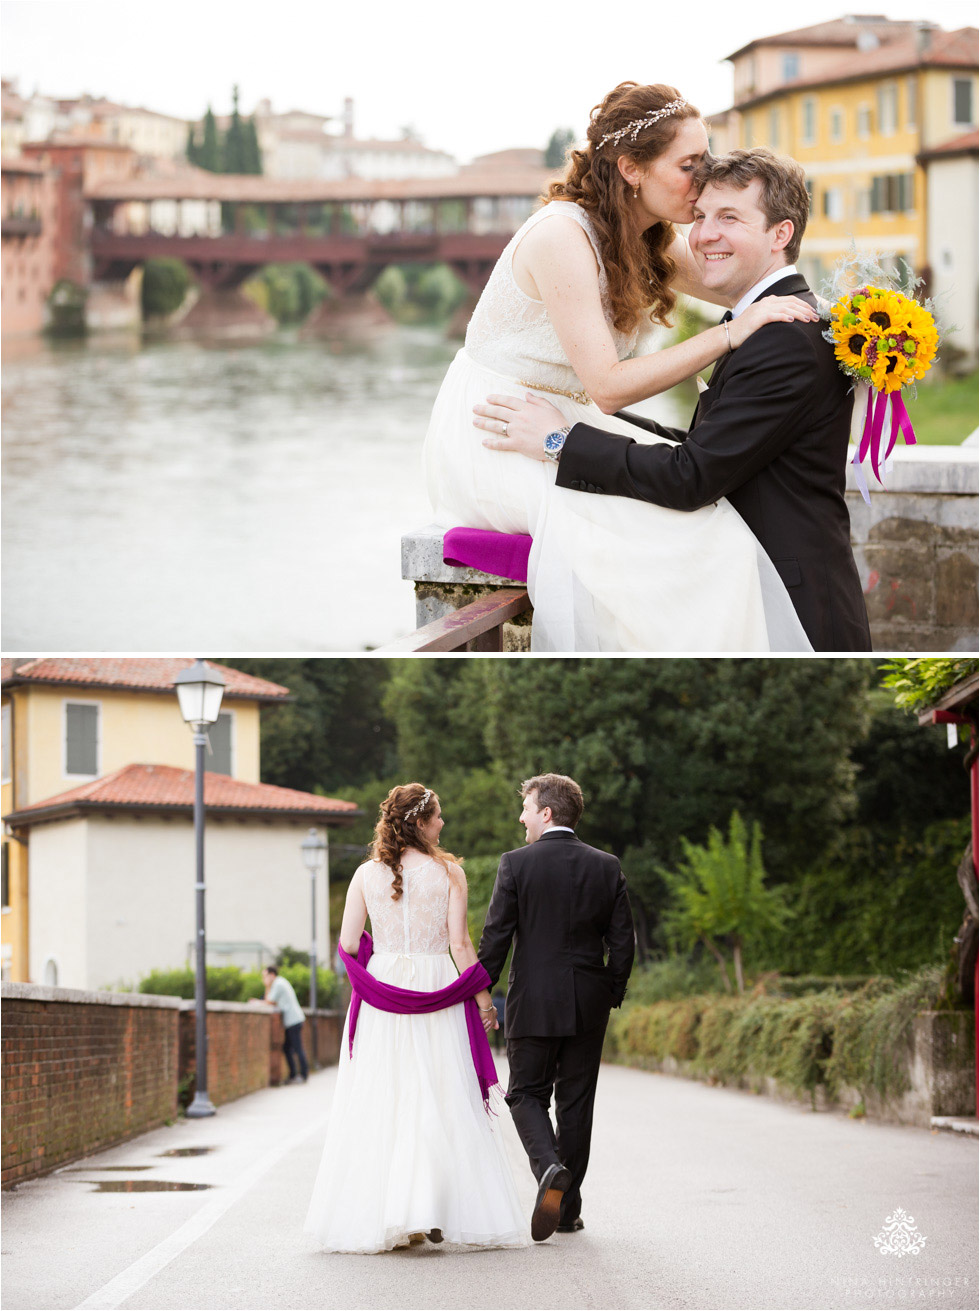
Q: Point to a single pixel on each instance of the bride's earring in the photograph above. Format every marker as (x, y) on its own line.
(636, 193)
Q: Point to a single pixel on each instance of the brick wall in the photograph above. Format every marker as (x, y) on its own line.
(238, 1048)
(84, 1070)
(329, 1029)
(81, 1071)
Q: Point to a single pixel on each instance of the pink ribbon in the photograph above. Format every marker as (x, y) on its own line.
(874, 422)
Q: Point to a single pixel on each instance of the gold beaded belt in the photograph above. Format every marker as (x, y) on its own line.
(582, 397)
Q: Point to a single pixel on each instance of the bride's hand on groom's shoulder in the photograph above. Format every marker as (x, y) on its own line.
(517, 425)
(771, 309)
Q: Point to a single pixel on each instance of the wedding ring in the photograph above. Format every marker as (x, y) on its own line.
(503, 428)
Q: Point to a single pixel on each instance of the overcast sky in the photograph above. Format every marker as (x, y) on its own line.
(470, 78)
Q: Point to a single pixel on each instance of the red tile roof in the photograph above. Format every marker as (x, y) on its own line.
(197, 184)
(967, 144)
(149, 675)
(835, 32)
(165, 788)
(946, 50)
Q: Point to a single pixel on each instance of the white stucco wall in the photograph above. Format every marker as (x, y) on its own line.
(952, 255)
(115, 895)
(58, 911)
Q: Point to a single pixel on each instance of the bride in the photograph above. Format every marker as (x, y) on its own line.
(411, 1149)
(560, 316)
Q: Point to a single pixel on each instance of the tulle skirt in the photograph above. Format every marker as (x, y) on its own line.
(606, 573)
(410, 1146)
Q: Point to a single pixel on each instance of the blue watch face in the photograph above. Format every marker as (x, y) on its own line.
(554, 442)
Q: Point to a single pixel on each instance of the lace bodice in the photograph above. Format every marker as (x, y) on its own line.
(512, 333)
(417, 923)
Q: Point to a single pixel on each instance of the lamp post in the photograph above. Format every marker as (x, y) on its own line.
(312, 845)
(199, 692)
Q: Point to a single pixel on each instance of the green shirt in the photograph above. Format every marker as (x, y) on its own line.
(281, 994)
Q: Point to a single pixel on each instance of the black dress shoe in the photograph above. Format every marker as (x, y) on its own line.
(572, 1227)
(554, 1184)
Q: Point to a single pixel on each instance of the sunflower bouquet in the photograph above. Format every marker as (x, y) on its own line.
(885, 340)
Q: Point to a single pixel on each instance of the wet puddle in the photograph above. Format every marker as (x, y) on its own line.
(100, 1169)
(145, 1186)
(187, 1151)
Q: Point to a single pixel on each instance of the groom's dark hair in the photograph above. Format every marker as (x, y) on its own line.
(561, 793)
(783, 194)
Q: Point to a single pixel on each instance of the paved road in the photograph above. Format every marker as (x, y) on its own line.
(697, 1197)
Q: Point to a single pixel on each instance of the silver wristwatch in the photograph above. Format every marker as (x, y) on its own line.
(554, 442)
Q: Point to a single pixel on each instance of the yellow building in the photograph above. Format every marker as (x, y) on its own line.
(68, 722)
(858, 102)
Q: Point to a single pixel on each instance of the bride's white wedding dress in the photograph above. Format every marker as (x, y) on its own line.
(410, 1146)
(606, 573)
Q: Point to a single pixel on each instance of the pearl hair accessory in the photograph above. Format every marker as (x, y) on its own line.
(421, 805)
(651, 116)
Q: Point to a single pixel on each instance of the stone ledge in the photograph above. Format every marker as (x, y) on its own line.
(422, 561)
(954, 470)
(956, 1124)
(40, 992)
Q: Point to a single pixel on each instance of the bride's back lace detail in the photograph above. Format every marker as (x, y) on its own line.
(512, 333)
(417, 924)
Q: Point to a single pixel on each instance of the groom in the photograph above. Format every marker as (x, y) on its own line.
(562, 903)
(770, 432)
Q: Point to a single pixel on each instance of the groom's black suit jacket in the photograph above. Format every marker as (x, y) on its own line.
(771, 435)
(562, 902)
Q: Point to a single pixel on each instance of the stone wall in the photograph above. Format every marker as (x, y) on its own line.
(915, 547)
(84, 1070)
(941, 1074)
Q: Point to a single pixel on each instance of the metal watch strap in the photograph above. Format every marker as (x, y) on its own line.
(554, 443)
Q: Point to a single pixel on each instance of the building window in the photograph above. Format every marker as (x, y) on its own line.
(5, 874)
(6, 746)
(894, 193)
(864, 121)
(833, 204)
(887, 109)
(911, 102)
(82, 738)
(809, 192)
(791, 65)
(963, 101)
(863, 203)
(220, 736)
(808, 131)
(747, 130)
(774, 128)
(837, 125)
(51, 973)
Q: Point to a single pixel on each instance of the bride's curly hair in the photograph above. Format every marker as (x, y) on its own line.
(638, 267)
(397, 829)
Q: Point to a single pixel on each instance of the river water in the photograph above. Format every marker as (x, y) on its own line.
(190, 496)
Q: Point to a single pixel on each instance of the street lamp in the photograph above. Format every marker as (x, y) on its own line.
(199, 692)
(312, 846)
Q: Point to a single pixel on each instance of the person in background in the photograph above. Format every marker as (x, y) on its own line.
(279, 992)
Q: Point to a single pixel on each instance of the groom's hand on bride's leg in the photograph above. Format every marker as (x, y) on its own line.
(517, 425)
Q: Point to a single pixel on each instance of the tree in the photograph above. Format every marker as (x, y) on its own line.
(209, 154)
(334, 734)
(251, 153)
(191, 150)
(557, 148)
(720, 898)
(233, 155)
(165, 284)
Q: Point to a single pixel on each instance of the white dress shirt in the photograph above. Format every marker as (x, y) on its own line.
(759, 288)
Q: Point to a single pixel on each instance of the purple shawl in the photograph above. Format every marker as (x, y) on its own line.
(406, 1001)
